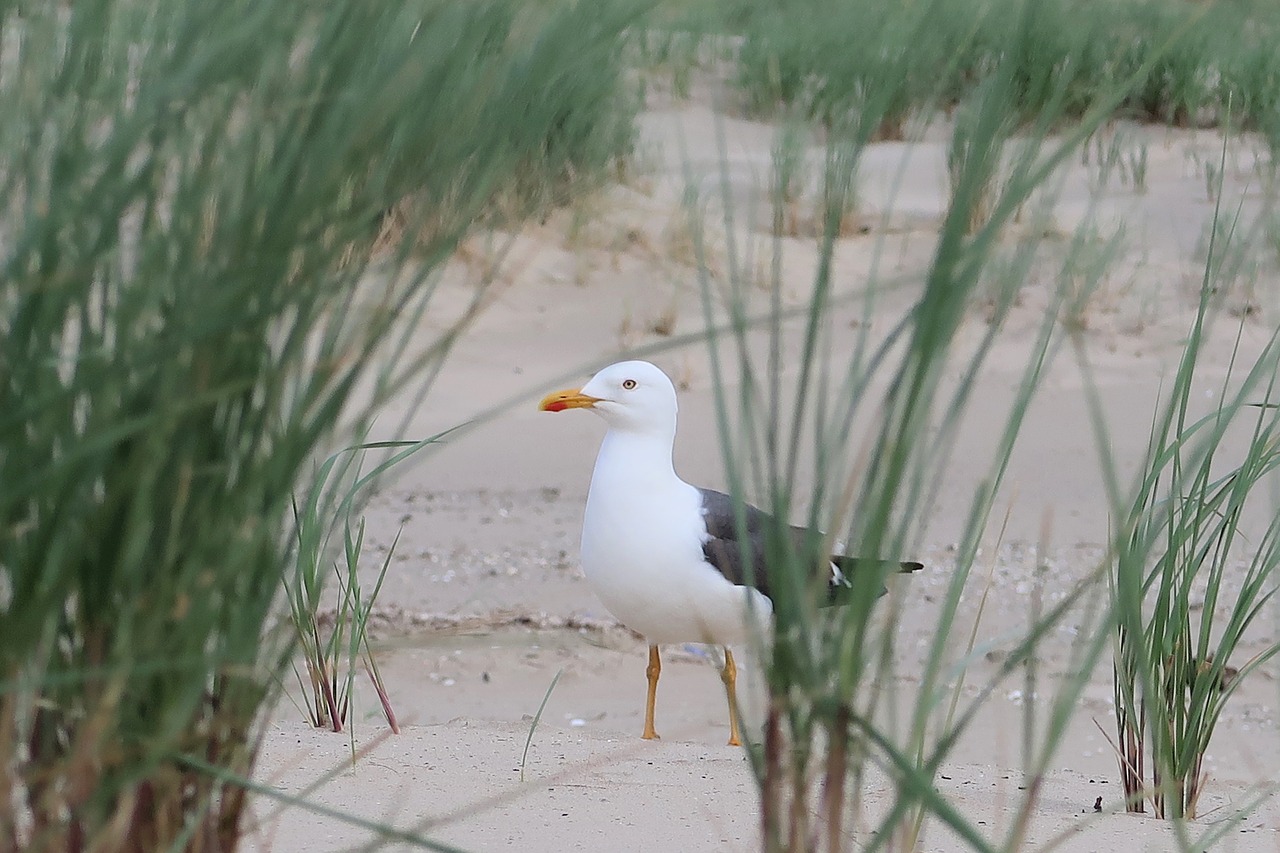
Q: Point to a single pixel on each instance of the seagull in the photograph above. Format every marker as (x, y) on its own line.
(663, 556)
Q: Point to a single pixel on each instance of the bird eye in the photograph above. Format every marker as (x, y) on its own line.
(628, 384)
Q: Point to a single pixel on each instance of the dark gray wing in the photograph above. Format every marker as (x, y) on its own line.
(723, 548)
(747, 567)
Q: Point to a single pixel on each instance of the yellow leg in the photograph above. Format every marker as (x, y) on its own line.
(729, 675)
(653, 671)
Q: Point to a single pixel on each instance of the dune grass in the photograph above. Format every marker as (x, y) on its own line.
(1188, 580)
(201, 297)
(192, 309)
(841, 60)
(788, 417)
(332, 653)
(829, 677)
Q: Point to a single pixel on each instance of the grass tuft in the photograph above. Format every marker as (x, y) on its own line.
(330, 654)
(1188, 583)
(194, 305)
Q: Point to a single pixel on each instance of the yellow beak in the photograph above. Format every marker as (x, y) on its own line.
(571, 398)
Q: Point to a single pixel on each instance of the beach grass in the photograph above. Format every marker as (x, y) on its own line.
(334, 641)
(1188, 579)
(829, 676)
(217, 222)
(198, 301)
(1026, 90)
(840, 60)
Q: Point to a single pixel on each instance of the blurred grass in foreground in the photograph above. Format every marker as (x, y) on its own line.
(835, 705)
(190, 196)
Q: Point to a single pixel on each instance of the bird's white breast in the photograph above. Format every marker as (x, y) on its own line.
(642, 540)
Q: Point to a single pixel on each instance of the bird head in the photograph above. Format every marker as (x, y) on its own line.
(631, 395)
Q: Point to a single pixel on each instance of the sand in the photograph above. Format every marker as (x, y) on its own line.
(485, 604)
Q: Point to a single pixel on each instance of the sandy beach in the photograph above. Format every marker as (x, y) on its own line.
(485, 603)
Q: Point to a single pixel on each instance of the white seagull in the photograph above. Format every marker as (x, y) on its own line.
(664, 556)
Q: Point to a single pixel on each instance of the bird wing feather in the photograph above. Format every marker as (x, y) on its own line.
(747, 566)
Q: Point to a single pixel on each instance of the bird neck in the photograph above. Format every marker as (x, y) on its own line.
(636, 456)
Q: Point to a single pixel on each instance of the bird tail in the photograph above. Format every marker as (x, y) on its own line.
(849, 565)
(841, 585)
